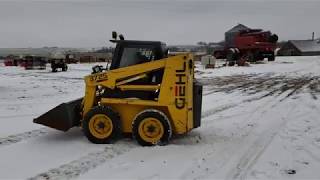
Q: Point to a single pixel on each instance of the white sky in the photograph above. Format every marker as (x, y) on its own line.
(81, 23)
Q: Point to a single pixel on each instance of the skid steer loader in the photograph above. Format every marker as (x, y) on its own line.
(143, 93)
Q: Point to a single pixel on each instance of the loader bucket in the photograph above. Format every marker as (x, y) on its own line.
(63, 117)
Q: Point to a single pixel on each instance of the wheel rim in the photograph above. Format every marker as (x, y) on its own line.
(151, 130)
(100, 126)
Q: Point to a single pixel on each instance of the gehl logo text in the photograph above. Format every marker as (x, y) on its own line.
(180, 88)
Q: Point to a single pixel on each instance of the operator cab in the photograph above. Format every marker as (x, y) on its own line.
(131, 52)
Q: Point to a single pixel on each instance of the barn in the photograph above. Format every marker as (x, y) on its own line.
(300, 48)
(230, 34)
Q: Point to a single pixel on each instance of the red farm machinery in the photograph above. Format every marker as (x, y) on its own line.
(243, 44)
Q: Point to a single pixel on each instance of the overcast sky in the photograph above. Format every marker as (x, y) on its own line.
(80, 23)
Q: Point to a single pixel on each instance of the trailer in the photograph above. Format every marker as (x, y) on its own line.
(12, 60)
(34, 62)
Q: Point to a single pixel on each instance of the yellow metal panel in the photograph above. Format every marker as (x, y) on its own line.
(131, 101)
(131, 79)
(89, 99)
(139, 87)
(127, 114)
(176, 91)
(110, 78)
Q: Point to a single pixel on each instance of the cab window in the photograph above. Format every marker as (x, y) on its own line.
(131, 56)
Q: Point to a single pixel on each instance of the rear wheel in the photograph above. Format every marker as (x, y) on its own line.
(271, 58)
(252, 57)
(101, 125)
(151, 127)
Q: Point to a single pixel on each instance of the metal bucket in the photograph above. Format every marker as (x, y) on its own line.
(62, 117)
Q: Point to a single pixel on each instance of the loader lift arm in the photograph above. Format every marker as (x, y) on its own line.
(119, 78)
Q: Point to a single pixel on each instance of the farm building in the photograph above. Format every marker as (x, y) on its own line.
(85, 57)
(300, 48)
(230, 34)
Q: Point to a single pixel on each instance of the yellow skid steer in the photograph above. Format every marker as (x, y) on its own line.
(144, 92)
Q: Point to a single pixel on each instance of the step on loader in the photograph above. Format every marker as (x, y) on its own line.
(144, 93)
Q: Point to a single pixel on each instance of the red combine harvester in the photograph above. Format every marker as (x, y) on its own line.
(243, 44)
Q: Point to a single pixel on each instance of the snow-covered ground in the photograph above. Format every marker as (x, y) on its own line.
(258, 122)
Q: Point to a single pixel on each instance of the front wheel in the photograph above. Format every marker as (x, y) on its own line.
(151, 127)
(101, 125)
(231, 63)
(65, 68)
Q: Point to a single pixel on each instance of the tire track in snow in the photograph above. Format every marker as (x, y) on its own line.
(82, 165)
(218, 109)
(252, 155)
(223, 159)
(215, 110)
(12, 139)
(257, 148)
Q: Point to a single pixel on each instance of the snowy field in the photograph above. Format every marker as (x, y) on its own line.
(258, 122)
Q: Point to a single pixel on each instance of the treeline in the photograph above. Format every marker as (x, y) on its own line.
(105, 50)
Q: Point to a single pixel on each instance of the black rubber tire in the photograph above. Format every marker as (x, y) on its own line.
(114, 117)
(231, 63)
(65, 68)
(252, 57)
(230, 57)
(271, 58)
(241, 62)
(157, 115)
